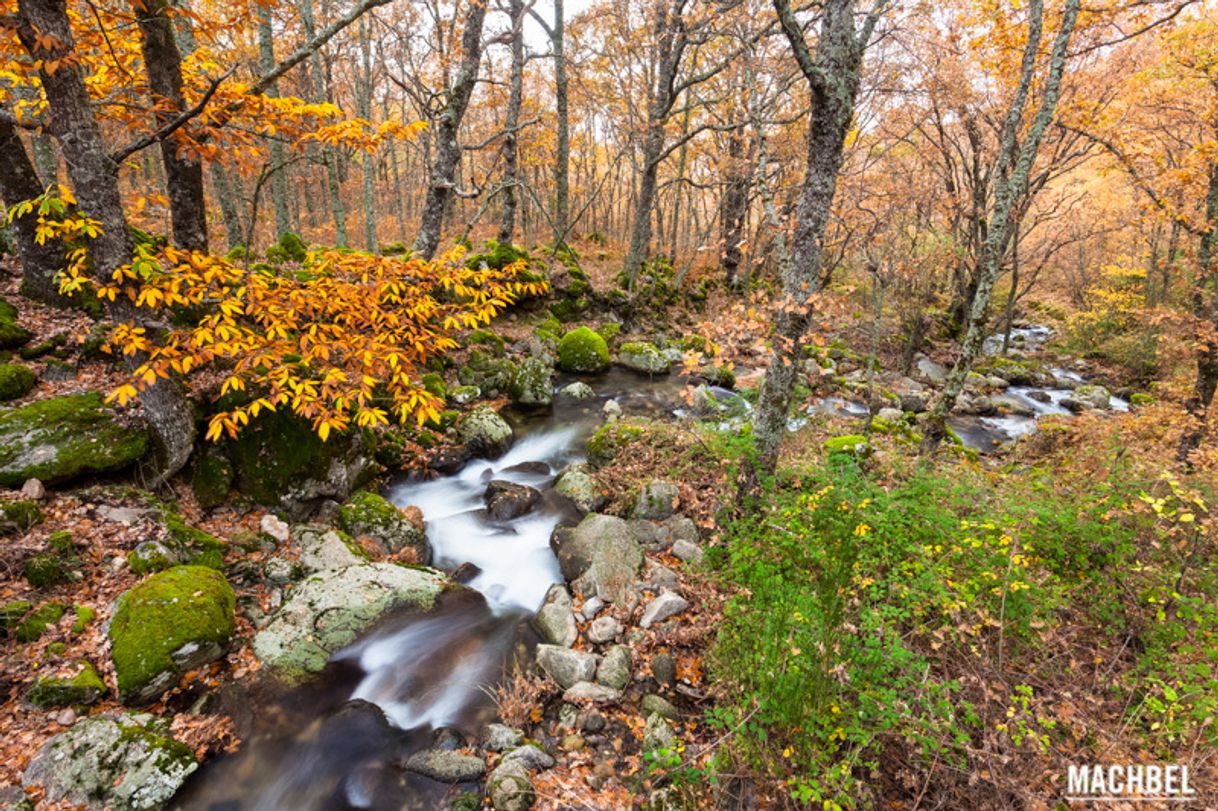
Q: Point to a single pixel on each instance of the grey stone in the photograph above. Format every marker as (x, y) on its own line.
(664, 668)
(532, 383)
(687, 551)
(500, 738)
(612, 410)
(894, 416)
(643, 357)
(603, 629)
(661, 576)
(446, 766)
(652, 536)
(667, 604)
(121, 762)
(614, 670)
(591, 692)
(653, 703)
(507, 500)
(531, 756)
(33, 490)
(556, 619)
(602, 546)
(367, 514)
(485, 432)
(323, 550)
(657, 734)
(934, 372)
(275, 527)
(566, 666)
(578, 390)
(577, 484)
(591, 607)
(681, 528)
(657, 500)
(509, 787)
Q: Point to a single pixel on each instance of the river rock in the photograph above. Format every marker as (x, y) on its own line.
(172, 622)
(62, 438)
(667, 604)
(446, 766)
(330, 609)
(664, 668)
(642, 356)
(507, 500)
(531, 756)
(659, 705)
(566, 666)
(121, 762)
(614, 670)
(612, 410)
(934, 372)
(1088, 396)
(604, 629)
(660, 576)
(582, 350)
(323, 550)
(556, 619)
(681, 528)
(509, 787)
(485, 433)
(687, 551)
(275, 527)
(500, 738)
(367, 514)
(532, 383)
(579, 390)
(591, 607)
(657, 734)
(585, 692)
(657, 500)
(576, 484)
(601, 554)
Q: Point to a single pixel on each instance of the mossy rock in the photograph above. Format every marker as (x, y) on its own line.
(47, 569)
(398, 248)
(853, 444)
(434, 384)
(489, 340)
(609, 331)
(368, 514)
(85, 688)
(172, 622)
(290, 246)
(61, 438)
(492, 375)
(12, 613)
(237, 253)
(497, 256)
(211, 479)
(36, 624)
(612, 437)
(569, 308)
(582, 350)
(193, 545)
(644, 357)
(54, 344)
(464, 395)
(12, 334)
(1141, 398)
(485, 432)
(532, 383)
(18, 516)
(717, 375)
(84, 617)
(15, 381)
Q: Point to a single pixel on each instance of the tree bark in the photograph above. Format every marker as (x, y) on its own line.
(279, 176)
(442, 181)
(184, 173)
(1205, 309)
(45, 32)
(365, 112)
(733, 209)
(19, 181)
(507, 222)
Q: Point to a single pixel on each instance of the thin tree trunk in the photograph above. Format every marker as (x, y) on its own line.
(1205, 309)
(507, 223)
(365, 112)
(279, 178)
(19, 181)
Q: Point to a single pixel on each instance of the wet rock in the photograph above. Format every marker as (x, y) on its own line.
(507, 500)
(667, 604)
(500, 737)
(446, 766)
(641, 356)
(687, 551)
(590, 692)
(612, 410)
(1040, 396)
(533, 468)
(657, 734)
(1089, 396)
(367, 514)
(509, 787)
(330, 609)
(465, 573)
(653, 703)
(447, 461)
(657, 500)
(86, 687)
(582, 350)
(531, 756)
(566, 666)
(532, 383)
(556, 619)
(604, 629)
(664, 668)
(121, 762)
(577, 485)
(578, 390)
(485, 433)
(323, 550)
(614, 670)
(170, 623)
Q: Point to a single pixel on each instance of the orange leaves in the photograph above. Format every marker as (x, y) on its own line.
(339, 342)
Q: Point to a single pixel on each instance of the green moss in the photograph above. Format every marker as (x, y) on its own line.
(497, 256)
(290, 246)
(45, 569)
(642, 356)
(84, 688)
(11, 614)
(719, 376)
(488, 339)
(63, 437)
(211, 479)
(395, 249)
(1141, 398)
(277, 449)
(84, 617)
(194, 545)
(612, 437)
(568, 309)
(154, 620)
(492, 375)
(582, 350)
(15, 381)
(36, 624)
(18, 516)
(237, 253)
(434, 384)
(851, 443)
(609, 331)
(51, 345)
(12, 334)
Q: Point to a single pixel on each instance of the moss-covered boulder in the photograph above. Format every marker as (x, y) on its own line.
(211, 478)
(279, 460)
(849, 445)
(582, 350)
(330, 609)
(532, 383)
(172, 622)
(15, 381)
(485, 433)
(36, 624)
(18, 516)
(61, 438)
(643, 356)
(12, 334)
(492, 375)
(83, 688)
(120, 762)
(612, 437)
(367, 514)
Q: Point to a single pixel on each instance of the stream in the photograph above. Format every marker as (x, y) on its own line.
(418, 681)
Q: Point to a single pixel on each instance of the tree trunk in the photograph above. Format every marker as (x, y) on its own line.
(442, 181)
(733, 208)
(279, 176)
(507, 222)
(365, 112)
(19, 181)
(46, 34)
(562, 147)
(1205, 309)
(184, 173)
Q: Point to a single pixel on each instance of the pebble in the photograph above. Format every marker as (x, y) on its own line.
(664, 668)
(687, 551)
(604, 629)
(668, 604)
(276, 528)
(34, 490)
(591, 607)
(66, 718)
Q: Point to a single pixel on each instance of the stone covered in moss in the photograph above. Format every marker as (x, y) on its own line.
(86, 687)
(84, 616)
(12, 334)
(464, 395)
(485, 433)
(170, 623)
(582, 350)
(37, 623)
(612, 437)
(491, 375)
(532, 383)
(211, 479)
(15, 381)
(121, 762)
(18, 516)
(642, 356)
(193, 545)
(64, 437)
(855, 444)
(11, 614)
(368, 514)
(330, 609)
(488, 340)
(434, 384)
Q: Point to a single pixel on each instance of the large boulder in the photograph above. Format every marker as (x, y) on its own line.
(61, 438)
(602, 553)
(119, 762)
(325, 550)
(1086, 397)
(641, 356)
(507, 500)
(566, 666)
(172, 622)
(12, 334)
(555, 621)
(485, 432)
(582, 350)
(657, 500)
(330, 609)
(15, 381)
(532, 383)
(576, 484)
(368, 514)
